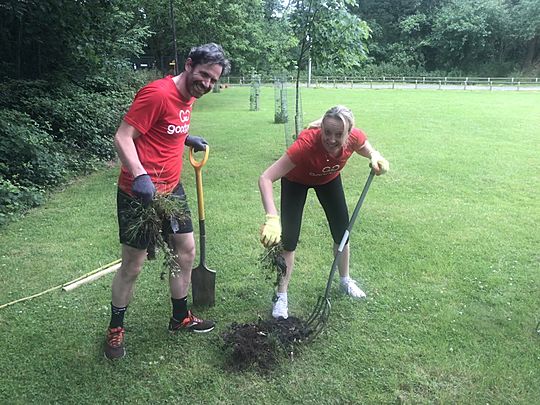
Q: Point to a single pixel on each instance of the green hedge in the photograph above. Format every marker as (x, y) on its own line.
(53, 130)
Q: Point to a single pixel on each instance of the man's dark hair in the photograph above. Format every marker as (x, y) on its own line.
(210, 53)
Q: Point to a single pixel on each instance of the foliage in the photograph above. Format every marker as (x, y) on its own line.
(491, 37)
(248, 31)
(41, 38)
(328, 34)
(16, 199)
(149, 222)
(50, 131)
(273, 263)
(29, 156)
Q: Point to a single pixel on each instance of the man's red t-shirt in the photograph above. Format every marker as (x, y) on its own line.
(314, 165)
(162, 117)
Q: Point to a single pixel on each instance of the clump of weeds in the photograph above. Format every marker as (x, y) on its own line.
(150, 221)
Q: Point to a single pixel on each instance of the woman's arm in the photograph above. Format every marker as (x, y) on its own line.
(379, 164)
(274, 172)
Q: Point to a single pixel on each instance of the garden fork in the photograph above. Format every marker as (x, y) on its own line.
(318, 318)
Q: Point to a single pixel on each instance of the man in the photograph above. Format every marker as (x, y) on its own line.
(150, 144)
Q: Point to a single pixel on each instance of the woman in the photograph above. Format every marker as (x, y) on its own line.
(314, 160)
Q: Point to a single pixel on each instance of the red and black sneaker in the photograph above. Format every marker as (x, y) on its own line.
(114, 343)
(191, 324)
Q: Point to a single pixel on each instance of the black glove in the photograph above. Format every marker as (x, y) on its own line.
(196, 142)
(144, 189)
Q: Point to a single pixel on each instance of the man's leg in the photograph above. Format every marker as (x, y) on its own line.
(122, 291)
(183, 245)
(133, 256)
(184, 250)
(124, 279)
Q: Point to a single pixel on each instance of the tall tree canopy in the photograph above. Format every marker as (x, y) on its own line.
(39, 38)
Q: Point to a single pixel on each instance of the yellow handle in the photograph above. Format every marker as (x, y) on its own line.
(195, 163)
(198, 178)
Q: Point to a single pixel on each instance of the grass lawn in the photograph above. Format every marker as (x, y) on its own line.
(446, 247)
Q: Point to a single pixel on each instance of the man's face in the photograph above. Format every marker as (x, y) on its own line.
(201, 78)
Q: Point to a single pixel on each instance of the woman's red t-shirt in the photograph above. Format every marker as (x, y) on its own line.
(314, 165)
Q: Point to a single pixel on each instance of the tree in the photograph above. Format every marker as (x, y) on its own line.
(526, 17)
(47, 37)
(328, 34)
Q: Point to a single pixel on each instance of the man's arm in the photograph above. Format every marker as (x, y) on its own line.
(125, 147)
(142, 186)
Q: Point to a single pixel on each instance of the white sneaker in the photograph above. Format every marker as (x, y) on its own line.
(350, 288)
(280, 308)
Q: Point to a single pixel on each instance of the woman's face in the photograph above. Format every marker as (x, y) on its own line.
(332, 135)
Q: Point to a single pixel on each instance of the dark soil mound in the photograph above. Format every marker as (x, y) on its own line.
(260, 346)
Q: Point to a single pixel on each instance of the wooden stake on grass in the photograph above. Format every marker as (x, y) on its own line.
(89, 278)
(101, 271)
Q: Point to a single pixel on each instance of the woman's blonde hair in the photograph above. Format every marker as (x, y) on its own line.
(340, 113)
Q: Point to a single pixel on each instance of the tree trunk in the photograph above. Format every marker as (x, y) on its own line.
(18, 49)
(532, 55)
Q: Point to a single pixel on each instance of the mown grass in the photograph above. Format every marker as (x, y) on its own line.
(446, 247)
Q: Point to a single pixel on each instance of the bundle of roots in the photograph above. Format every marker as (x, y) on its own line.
(149, 222)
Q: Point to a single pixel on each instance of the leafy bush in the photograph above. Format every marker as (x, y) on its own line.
(16, 199)
(52, 130)
(28, 155)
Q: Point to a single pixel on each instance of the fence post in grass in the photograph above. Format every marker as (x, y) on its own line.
(439, 84)
(393, 83)
(280, 102)
(490, 85)
(255, 92)
(415, 83)
(518, 83)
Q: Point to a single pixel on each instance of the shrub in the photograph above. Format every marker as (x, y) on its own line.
(52, 130)
(28, 155)
(16, 199)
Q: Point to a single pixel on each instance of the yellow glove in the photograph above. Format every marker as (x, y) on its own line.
(381, 163)
(271, 231)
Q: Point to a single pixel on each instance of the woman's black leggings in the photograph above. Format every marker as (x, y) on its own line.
(293, 199)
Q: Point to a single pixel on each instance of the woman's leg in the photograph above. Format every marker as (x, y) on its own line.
(293, 199)
(332, 199)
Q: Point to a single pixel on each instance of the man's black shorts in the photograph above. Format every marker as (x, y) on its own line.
(129, 222)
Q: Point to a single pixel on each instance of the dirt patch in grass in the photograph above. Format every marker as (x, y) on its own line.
(263, 345)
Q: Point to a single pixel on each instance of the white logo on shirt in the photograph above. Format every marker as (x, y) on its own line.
(177, 129)
(326, 171)
(184, 115)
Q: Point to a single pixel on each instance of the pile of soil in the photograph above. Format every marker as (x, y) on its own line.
(260, 346)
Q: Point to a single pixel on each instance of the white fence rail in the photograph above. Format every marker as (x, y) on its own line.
(394, 82)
